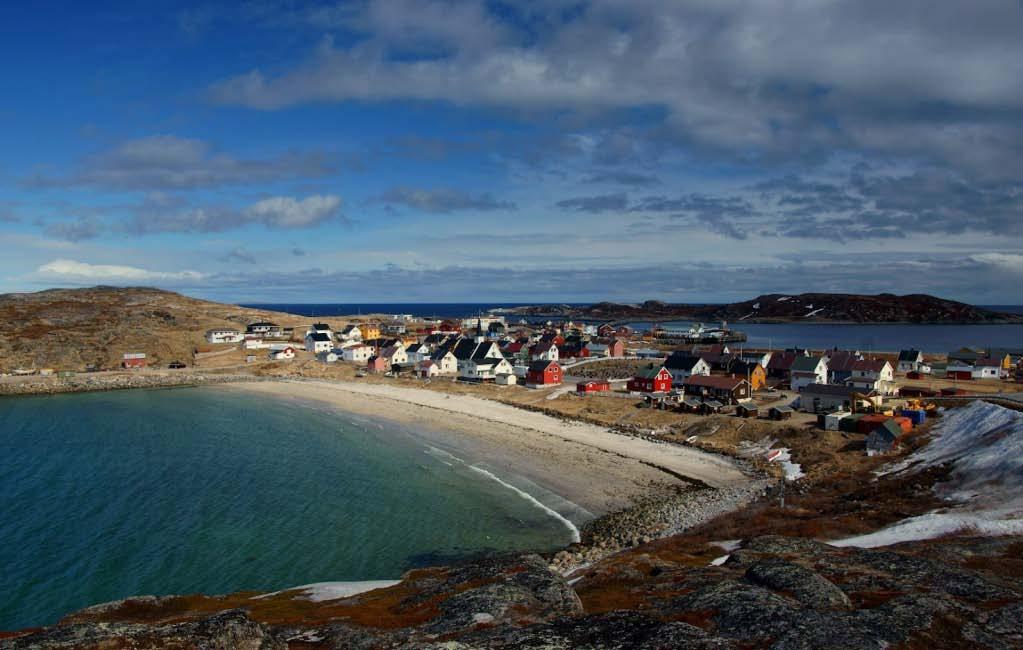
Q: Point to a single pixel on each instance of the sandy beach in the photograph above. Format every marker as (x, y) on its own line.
(591, 467)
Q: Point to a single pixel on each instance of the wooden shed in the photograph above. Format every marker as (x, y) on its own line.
(780, 413)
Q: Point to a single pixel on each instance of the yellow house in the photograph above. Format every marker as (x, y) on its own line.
(370, 331)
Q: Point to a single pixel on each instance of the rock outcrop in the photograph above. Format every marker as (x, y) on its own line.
(772, 592)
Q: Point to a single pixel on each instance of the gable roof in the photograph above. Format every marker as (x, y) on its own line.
(805, 364)
(869, 365)
(319, 337)
(782, 361)
(680, 360)
(321, 327)
(650, 372)
(541, 365)
(909, 355)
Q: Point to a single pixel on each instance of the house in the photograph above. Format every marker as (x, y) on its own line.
(780, 413)
(911, 361)
(252, 343)
(417, 352)
(878, 369)
(133, 360)
(394, 355)
(320, 328)
(544, 373)
(593, 386)
(655, 378)
(485, 369)
(370, 331)
(224, 335)
(808, 370)
(506, 379)
(753, 372)
(682, 365)
(350, 333)
(427, 369)
(317, 342)
(747, 409)
(827, 398)
(265, 330)
(606, 331)
(882, 439)
(544, 351)
(840, 365)
(445, 361)
(332, 356)
(959, 370)
(573, 351)
(967, 355)
(990, 368)
(377, 364)
(282, 354)
(728, 390)
(357, 353)
(780, 364)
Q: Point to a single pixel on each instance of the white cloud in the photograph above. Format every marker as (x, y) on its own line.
(71, 270)
(288, 212)
(1007, 261)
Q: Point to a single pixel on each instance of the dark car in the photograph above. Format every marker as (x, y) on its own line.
(175, 365)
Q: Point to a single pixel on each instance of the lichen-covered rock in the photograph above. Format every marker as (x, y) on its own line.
(809, 588)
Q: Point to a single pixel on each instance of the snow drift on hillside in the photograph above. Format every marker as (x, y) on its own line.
(984, 445)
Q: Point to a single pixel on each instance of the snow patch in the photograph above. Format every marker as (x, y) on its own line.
(718, 561)
(320, 591)
(983, 444)
(728, 545)
(482, 618)
(814, 312)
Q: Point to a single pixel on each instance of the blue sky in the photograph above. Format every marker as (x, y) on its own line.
(557, 150)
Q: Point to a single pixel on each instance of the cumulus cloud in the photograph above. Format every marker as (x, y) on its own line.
(1008, 261)
(441, 200)
(168, 162)
(162, 213)
(64, 270)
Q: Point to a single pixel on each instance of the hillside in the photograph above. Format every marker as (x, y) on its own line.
(69, 329)
(782, 308)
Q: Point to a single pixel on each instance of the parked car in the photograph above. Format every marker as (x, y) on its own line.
(175, 365)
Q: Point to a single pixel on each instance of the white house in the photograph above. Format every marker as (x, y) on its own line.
(282, 354)
(255, 344)
(910, 361)
(808, 370)
(872, 369)
(417, 352)
(763, 358)
(446, 362)
(331, 356)
(320, 328)
(317, 342)
(988, 369)
(394, 354)
(224, 335)
(350, 333)
(506, 380)
(683, 365)
(544, 352)
(486, 369)
(357, 353)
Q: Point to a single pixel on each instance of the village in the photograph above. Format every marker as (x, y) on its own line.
(882, 396)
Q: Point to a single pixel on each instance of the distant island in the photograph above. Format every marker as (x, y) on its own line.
(787, 308)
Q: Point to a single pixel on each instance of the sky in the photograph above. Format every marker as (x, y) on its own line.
(556, 150)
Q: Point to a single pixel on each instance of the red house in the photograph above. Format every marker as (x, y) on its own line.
(652, 379)
(543, 373)
(133, 360)
(606, 330)
(572, 352)
(377, 364)
(594, 386)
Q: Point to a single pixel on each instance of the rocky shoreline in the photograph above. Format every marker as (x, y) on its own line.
(87, 383)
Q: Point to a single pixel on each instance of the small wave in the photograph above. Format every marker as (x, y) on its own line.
(529, 497)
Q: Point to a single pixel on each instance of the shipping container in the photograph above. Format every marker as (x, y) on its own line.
(849, 424)
(832, 422)
(916, 416)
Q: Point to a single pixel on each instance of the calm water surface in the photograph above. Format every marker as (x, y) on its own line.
(108, 495)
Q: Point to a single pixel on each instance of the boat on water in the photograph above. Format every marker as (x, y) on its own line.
(698, 334)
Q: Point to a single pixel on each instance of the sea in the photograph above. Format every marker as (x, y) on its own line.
(933, 338)
(178, 491)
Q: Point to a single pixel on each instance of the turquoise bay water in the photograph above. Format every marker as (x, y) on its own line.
(206, 490)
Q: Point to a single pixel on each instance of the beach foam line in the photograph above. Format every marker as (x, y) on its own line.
(529, 497)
